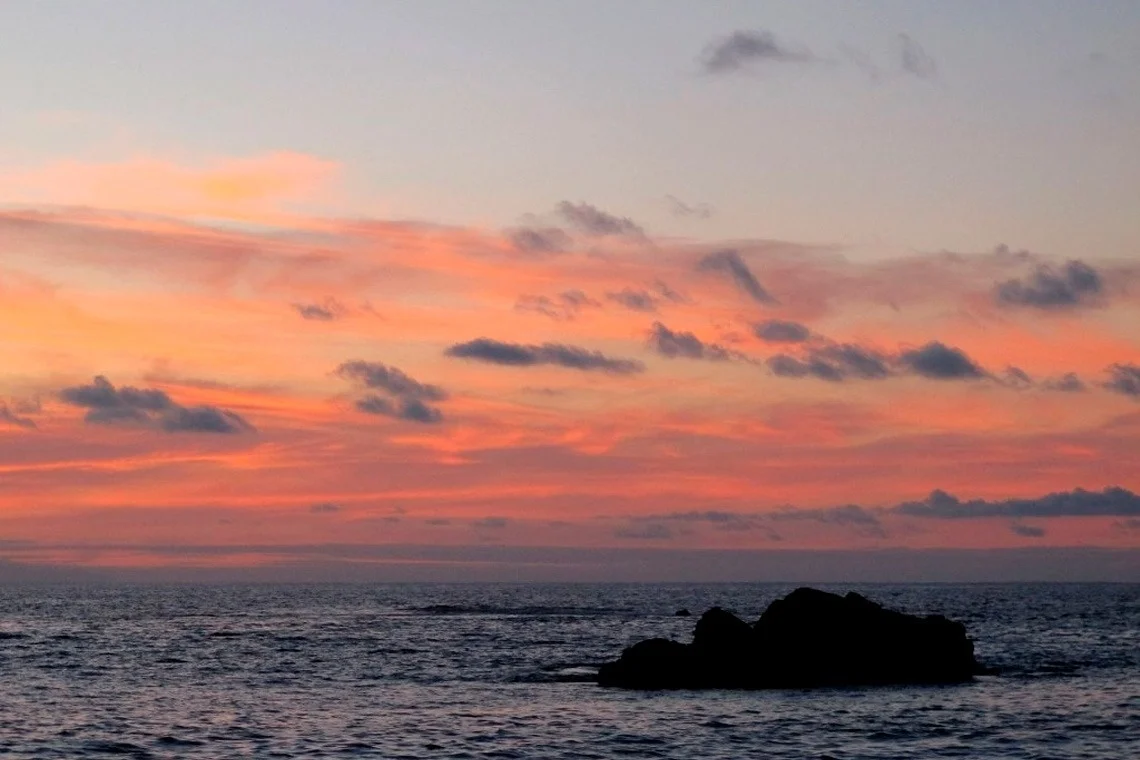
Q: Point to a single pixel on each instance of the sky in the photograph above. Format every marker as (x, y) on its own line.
(570, 291)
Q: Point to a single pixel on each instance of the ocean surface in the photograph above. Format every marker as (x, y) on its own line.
(496, 671)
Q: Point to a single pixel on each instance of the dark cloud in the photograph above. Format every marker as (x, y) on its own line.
(406, 397)
(577, 298)
(853, 360)
(780, 331)
(410, 409)
(783, 365)
(373, 404)
(744, 47)
(491, 523)
(645, 532)
(730, 522)
(1029, 531)
(836, 362)
(594, 222)
(117, 415)
(679, 208)
(1066, 383)
(940, 362)
(1076, 284)
(833, 362)
(634, 300)
(862, 520)
(324, 508)
(729, 262)
(201, 419)
(102, 394)
(9, 417)
(915, 60)
(108, 405)
(733, 520)
(326, 311)
(380, 376)
(668, 293)
(1016, 377)
(1111, 502)
(1124, 378)
(497, 352)
(849, 515)
(522, 355)
(544, 305)
(539, 240)
(674, 344)
(565, 306)
(417, 411)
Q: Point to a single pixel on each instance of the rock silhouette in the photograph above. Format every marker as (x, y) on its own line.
(809, 638)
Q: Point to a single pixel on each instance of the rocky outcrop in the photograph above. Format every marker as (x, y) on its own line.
(809, 638)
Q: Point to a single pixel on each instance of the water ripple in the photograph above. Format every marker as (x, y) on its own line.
(500, 671)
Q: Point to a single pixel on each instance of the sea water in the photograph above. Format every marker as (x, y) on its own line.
(502, 671)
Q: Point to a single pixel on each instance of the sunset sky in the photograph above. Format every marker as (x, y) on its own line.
(378, 286)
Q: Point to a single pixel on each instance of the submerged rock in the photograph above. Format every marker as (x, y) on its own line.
(809, 638)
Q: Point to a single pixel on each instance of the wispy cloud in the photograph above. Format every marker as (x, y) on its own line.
(325, 311)
(1124, 378)
(914, 59)
(634, 300)
(592, 221)
(680, 208)
(564, 306)
(729, 262)
(860, 520)
(645, 532)
(1028, 531)
(746, 47)
(1069, 382)
(9, 417)
(539, 239)
(863, 520)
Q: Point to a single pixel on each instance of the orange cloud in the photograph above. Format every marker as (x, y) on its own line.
(266, 188)
(207, 313)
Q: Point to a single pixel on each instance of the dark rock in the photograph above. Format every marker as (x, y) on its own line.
(682, 613)
(809, 638)
(720, 632)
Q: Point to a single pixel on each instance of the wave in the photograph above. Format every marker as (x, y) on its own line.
(490, 609)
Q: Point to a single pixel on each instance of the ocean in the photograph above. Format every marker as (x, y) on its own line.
(501, 671)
